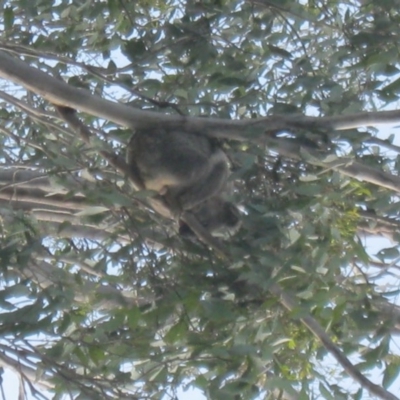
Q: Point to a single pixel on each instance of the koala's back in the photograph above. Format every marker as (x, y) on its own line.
(190, 172)
(169, 158)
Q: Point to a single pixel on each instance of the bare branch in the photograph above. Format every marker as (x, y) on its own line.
(58, 92)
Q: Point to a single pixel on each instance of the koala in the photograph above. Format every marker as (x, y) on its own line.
(189, 171)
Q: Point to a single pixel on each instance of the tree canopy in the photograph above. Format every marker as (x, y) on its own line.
(102, 299)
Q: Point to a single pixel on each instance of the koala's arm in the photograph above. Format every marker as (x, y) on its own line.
(208, 182)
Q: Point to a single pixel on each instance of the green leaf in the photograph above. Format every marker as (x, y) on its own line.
(94, 210)
(134, 49)
(8, 18)
(390, 374)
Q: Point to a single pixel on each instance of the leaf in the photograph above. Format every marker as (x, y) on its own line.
(325, 392)
(15, 291)
(177, 333)
(388, 253)
(308, 178)
(93, 210)
(8, 18)
(279, 51)
(133, 317)
(293, 235)
(390, 374)
(217, 310)
(96, 354)
(309, 190)
(133, 49)
(393, 87)
(282, 384)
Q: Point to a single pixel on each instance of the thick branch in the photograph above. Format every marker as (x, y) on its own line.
(58, 92)
(38, 197)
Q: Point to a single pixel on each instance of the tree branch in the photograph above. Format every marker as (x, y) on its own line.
(58, 92)
(289, 303)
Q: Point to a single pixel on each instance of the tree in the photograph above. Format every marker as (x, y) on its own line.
(101, 298)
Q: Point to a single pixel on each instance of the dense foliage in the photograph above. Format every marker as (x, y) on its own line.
(102, 299)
